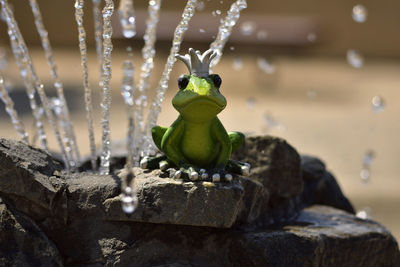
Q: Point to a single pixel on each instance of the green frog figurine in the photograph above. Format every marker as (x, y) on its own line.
(197, 143)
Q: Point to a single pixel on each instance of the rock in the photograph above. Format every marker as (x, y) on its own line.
(320, 236)
(22, 243)
(274, 163)
(181, 223)
(320, 187)
(166, 200)
(26, 178)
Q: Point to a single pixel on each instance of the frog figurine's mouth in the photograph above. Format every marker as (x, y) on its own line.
(205, 101)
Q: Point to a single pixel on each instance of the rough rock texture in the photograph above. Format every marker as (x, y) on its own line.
(275, 164)
(166, 200)
(22, 243)
(81, 215)
(320, 185)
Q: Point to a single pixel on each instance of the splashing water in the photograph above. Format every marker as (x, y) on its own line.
(127, 93)
(79, 4)
(180, 30)
(364, 213)
(378, 104)
(237, 64)
(312, 37)
(262, 35)
(225, 29)
(22, 60)
(365, 172)
(251, 102)
(200, 6)
(9, 104)
(106, 98)
(148, 53)
(127, 18)
(3, 58)
(129, 200)
(359, 13)
(98, 30)
(265, 65)
(66, 126)
(355, 59)
(247, 28)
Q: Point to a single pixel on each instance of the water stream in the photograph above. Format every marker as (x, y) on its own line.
(79, 4)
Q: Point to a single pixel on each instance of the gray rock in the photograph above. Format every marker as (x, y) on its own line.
(320, 187)
(320, 236)
(22, 243)
(274, 163)
(166, 200)
(81, 214)
(26, 178)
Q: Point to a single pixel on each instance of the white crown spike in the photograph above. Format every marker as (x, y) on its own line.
(197, 63)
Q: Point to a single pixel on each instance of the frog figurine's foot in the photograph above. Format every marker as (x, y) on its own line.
(238, 167)
(157, 162)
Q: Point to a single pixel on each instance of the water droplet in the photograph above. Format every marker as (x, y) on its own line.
(214, 14)
(200, 6)
(365, 175)
(231, 48)
(311, 94)
(237, 64)
(270, 121)
(378, 104)
(202, 30)
(127, 19)
(247, 28)
(3, 58)
(265, 65)
(354, 58)
(218, 12)
(359, 13)
(251, 102)
(128, 204)
(56, 105)
(311, 37)
(364, 213)
(262, 35)
(368, 158)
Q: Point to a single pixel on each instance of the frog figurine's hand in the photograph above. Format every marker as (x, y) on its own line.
(197, 144)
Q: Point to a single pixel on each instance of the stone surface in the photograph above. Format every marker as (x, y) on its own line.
(22, 243)
(320, 236)
(274, 163)
(24, 178)
(166, 200)
(320, 187)
(82, 216)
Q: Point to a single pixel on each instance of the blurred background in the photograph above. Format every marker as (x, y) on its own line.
(324, 75)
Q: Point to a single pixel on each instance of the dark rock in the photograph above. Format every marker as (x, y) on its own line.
(320, 236)
(22, 243)
(82, 216)
(274, 163)
(320, 187)
(166, 200)
(26, 178)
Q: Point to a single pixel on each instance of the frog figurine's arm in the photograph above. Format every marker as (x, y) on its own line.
(170, 143)
(220, 134)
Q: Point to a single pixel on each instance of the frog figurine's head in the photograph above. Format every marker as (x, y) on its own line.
(199, 98)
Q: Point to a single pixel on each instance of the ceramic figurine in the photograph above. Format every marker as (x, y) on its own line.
(197, 143)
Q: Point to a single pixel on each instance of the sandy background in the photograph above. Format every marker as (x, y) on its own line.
(322, 106)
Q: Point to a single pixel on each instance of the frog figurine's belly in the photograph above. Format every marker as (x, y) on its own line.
(197, 144)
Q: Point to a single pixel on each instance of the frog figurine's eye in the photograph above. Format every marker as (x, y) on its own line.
(217, 80)
(183, 81)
